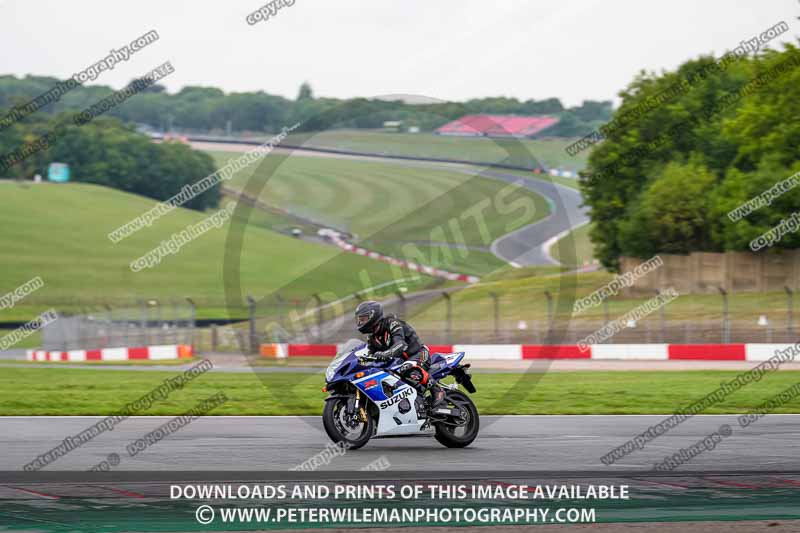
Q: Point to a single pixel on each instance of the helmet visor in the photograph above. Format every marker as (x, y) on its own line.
(363, 319)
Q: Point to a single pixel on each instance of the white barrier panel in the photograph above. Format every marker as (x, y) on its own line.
(76, 355)
(647, 352)
(762, 352)
(283, 351)
(163, 352)
(115, 354)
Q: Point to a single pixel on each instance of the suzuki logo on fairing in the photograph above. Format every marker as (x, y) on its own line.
(391, 401)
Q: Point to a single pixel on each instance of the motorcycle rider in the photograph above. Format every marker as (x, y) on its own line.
(391, 337)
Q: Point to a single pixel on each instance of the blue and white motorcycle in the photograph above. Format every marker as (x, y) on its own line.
(371, 400)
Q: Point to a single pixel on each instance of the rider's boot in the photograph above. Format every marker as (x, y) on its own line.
(417, 375)
(437, 396)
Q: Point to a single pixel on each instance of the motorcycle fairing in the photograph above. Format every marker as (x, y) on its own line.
(392, 420)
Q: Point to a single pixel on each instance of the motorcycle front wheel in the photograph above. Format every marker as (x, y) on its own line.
(462, 435)
(351, 431)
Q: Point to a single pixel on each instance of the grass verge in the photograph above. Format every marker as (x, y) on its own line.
(427, 206)
(48, 391)
(574, 248)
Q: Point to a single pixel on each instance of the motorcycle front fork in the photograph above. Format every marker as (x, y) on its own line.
(355, 403)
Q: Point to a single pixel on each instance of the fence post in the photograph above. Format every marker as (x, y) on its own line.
(192, 321)
(449, 317)
(549, 315)
(725, 325)
(178, 335)
(110, 322)
(214, 338)
(496, 301)
(251, 312)
(155, 331)
(143, 322)
(401, 303)
(662, 318)
(154, 315)
(82, 337)
(789, 312)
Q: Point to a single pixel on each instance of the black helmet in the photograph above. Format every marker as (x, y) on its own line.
(367, 315)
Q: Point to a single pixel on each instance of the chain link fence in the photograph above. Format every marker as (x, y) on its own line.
(440, 317)
(146, 323)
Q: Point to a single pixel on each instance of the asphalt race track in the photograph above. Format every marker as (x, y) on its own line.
(506, 443)
(749, 482)
(527, 246)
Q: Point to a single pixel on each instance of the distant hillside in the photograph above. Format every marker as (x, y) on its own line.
(59, 232)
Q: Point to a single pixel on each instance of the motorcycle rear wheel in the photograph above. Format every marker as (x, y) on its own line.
(333, 420)
(451, 436)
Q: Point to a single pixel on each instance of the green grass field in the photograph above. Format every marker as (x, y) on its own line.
(59, 232)
(49, 391)
(389, 205)
(466, 261)
(479, 149)
(33, 340)
(575, 242)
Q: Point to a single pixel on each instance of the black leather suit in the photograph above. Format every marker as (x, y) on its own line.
(393, 337)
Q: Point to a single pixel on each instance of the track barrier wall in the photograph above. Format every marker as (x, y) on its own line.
(516, 352)
(138, 353)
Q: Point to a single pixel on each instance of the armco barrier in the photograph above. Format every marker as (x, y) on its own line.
(512, 352)
(153, 353)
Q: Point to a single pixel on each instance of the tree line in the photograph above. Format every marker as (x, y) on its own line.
(108, 152)
(210, 110)
(667, 181)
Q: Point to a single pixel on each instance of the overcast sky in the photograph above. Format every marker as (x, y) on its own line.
(443, 49)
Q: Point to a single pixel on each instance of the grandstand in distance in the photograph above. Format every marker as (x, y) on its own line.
(497, 126)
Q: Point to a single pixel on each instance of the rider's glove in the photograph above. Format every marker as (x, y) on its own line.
(381, 356)
(368, 358)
